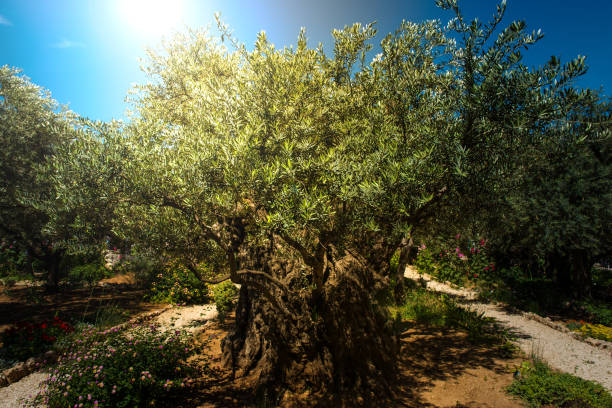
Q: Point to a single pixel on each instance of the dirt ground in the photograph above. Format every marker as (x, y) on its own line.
(32, 303)
(437, 369)
(443, 369)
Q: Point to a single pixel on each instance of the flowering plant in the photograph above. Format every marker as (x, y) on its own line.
(465, 260)
(26, 339)
(175, 284)
(132, 366)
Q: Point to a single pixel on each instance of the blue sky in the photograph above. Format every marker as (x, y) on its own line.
(87, 52)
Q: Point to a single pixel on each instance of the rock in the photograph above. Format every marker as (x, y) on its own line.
(16, 373)
(31, 364)
(50, 356)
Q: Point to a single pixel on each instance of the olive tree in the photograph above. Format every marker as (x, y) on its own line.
(32, 126)
(305, 171)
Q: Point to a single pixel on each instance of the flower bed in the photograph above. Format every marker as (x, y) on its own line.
(26, 339)
(130, 366)
(596, 331)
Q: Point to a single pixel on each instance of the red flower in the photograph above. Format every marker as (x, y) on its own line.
(486, 268)
(482, 242)
(475, 275)
(43, 326)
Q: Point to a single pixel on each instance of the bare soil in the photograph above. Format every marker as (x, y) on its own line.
(436, 369)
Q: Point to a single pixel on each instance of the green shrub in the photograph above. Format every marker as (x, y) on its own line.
(456, 261)
(90, 273)
(224, 295)
(437, 310)
(135, 366)
(143, 267)
(12, 260)
(599, 312)
(176, 284)
(539, 386)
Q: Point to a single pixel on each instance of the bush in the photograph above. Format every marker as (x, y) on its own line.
(456, 261)
(144, 267)
(539, 386)
(133, 366)
(176, 284)
(224, 295)
(27, 339)
(90, 273)
(437, 310)
(13, 262)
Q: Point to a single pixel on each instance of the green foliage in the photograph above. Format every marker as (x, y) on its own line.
(176, 284)
(119, 367)
(144, 268)
(598, 311)
(438, 310)
(90, 273)
(12, 261)
(539, 386)
(224, 295)
(32, 129)
(457, 261)
(106, 316)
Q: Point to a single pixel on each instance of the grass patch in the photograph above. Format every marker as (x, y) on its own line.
(439, 310)
(539, 386)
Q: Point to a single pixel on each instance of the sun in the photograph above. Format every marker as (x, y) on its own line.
(152, 18)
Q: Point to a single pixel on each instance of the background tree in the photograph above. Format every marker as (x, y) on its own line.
(31, 129)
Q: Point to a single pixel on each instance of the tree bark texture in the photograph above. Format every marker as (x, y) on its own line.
(316, 348)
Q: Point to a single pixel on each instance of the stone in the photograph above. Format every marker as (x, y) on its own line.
(16, 373)
(51, 356)
(31, 364)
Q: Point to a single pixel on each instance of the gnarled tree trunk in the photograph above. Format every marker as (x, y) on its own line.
(316, 348)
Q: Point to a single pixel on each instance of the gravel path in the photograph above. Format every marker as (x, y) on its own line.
(186, 317)
(558, 349)
(24, 388)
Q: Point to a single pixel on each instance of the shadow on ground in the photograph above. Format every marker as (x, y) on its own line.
(34, 304)
(441, 368)
(436, 368)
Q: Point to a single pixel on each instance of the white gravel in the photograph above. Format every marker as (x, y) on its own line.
(189, 318)
(24, 388)
(558, 349)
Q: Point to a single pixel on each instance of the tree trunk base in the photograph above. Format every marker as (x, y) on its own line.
(336, 348)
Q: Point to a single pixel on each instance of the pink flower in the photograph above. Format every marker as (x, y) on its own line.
(486, 268)
(457, 236)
